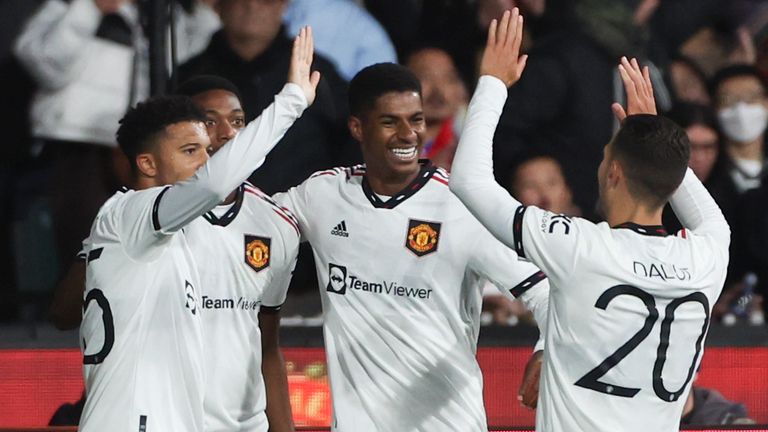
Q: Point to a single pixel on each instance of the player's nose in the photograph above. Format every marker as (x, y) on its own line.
(226, 132)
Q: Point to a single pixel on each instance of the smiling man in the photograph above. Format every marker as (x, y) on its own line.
(400, 263)
(141, 334)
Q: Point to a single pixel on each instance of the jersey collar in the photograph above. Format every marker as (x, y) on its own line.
(649, 230)
(425, 173)
(231, 214)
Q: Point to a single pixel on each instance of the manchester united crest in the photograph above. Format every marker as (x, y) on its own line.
(422, 237)
(257, 252)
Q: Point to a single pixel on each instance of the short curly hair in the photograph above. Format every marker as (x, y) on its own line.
(142, 124)
(377, 80)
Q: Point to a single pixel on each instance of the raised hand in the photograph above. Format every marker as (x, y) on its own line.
(300, 71)
(501, 57)
(639, 90)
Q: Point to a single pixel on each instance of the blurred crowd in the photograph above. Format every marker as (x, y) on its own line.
(70, 68)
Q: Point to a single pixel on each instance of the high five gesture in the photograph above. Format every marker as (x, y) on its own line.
(300, 72)
(502, 58)
(639, 89)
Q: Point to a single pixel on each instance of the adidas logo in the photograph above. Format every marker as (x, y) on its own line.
(340, 230)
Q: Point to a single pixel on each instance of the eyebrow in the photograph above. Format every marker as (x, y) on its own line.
(390, 115)
(236, 110)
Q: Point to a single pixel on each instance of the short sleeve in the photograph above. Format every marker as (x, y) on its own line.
(274, 294)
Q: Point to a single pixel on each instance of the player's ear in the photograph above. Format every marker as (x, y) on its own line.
(615, 173)
(146, 164)
(355, 128)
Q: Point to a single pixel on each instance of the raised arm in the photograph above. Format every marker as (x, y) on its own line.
(230, 166)
(698, 211)
(472, 177)
(692, 203)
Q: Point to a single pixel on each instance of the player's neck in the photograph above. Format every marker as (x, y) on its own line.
(230, 198)
(142, 182)
(634, 212)
(389, 184)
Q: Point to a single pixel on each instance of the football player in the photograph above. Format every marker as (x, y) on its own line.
(142, 339)
(401, 263)
(630, 304)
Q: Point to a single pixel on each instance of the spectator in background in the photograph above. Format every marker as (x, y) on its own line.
(89, 59)
(445, 102)
(742, 111)
(344, 32)
(253, 51)
(701, 126)
(741, 104)
(739, 92)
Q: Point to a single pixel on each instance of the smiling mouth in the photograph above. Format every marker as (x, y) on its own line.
(405, 154)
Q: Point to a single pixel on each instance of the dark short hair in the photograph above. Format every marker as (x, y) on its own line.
(376, 80)
(654, 153)
(142, 123)
(734, 71)
(203, 83)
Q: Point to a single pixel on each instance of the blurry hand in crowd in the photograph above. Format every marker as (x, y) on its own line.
(300, 72)
(644, 11)
(501, 57)
(688, 85)
(745, 51)
(109, 6)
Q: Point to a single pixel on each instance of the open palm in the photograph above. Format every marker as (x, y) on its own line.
(501, 57)
(300, 71)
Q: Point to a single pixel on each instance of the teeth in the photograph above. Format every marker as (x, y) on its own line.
(404, 153)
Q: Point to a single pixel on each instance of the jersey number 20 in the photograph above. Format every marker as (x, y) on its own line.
(590, 380)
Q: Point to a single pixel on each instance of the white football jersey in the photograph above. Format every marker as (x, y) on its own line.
(246, 252)
(629, 306)
(141, 335)
(629, 311)
(400, 280)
